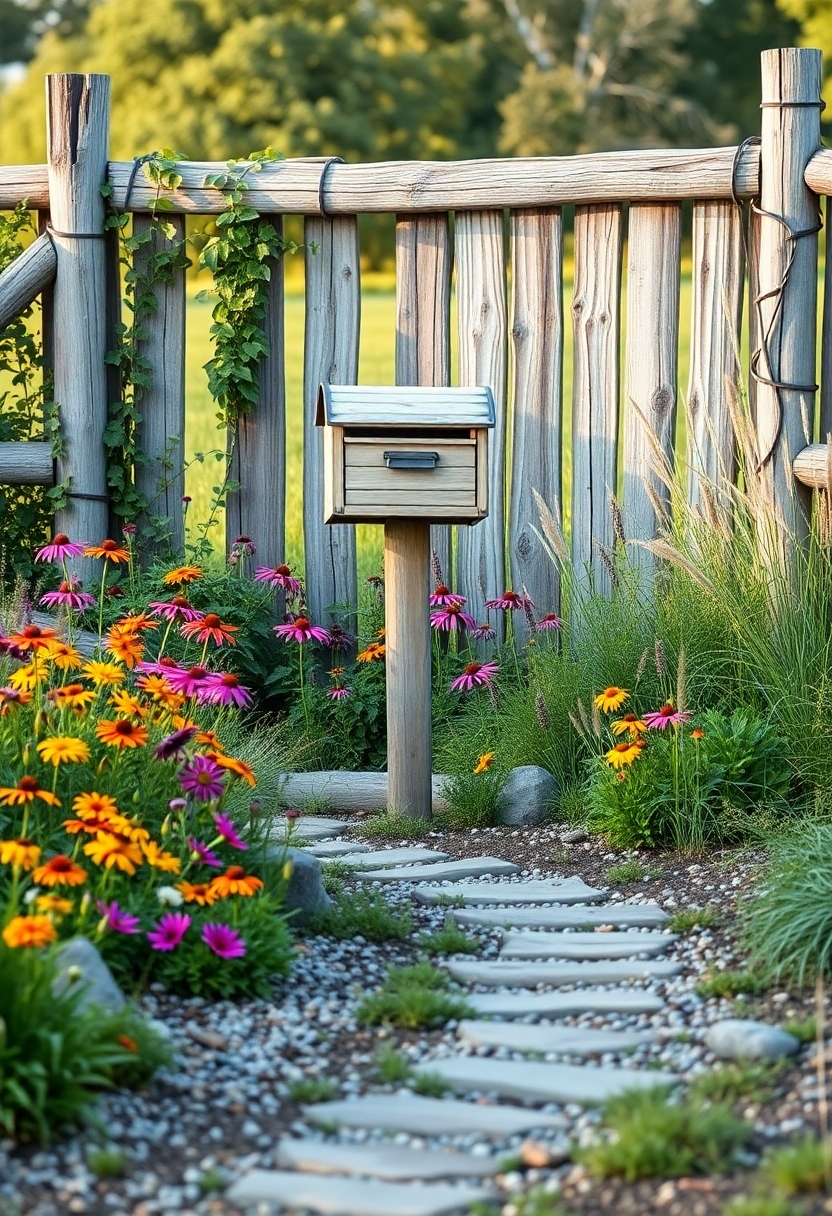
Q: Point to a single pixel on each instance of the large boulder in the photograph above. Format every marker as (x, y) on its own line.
(305, 894)
(744, 1039)
(80, 963)
(527, 795)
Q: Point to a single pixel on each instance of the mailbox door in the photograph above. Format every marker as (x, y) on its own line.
(421, 477)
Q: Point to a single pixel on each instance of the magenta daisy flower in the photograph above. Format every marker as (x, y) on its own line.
(224, 941)
(668, 715)
(201, 852)
(170, 930)
(177, 609)
(339, 693)
(279, 576)
(187, 682)
(475, 675)
(174, 744)
(223, 688)
(228, 832)
(510, 601)
(117, 920)
(442, 597)
(549, 621)
(484, 633)
(452, 617)
(68, 595)
(302, 630)
(202, 778)
(60, 548)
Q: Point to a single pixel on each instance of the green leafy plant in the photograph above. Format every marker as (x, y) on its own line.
(392, 1068)
(313, 1089)
(472, 799)
(800, 1169)
(389, 825)
(360, 913)
(429, 1084)
(627, 872)
(732, 984)
(755, 1080)
(694, 918)
(448, 940)
(413, 997)
(804, 1029)
(108, 1162)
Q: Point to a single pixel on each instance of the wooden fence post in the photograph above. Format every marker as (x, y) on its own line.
(77, 136)
(791, 83)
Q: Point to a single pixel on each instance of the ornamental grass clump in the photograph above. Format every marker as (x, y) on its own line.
(420, 996)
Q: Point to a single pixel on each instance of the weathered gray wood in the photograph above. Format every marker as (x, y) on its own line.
(818, 171)
(347, 792)
(790, 137)
(752, 229)
(716, 319)
(29, 182)
(258, 509)
(161, 432)
(113, 338)
(826, 330)
(407, 637)
(537, 339)
(26, 464)
(595, 388)
(77, 136)
(423, 320)
(27, 276)
(47, 297)
(813, 467)
(481, 306)
(651, 365)
(333, 310)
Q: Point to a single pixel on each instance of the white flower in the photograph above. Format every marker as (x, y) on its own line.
(31, 895)
(170, 897)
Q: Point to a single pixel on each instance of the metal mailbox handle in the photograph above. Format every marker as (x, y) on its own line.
(411, 460)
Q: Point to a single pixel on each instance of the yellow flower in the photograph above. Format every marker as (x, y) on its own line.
(631, 723)
(127, 703)
(623, 753)
(108, 850)
(54, 904)
(484, 762)
(125, 646)
(375, 650)
(72, 696)
(64, 656)
(159, 859)
(611, 698)
(26, 790)
(28, 677)
(29, 931)
(197, 892)
(20, 852)
(93, 805)
(182, 574)
(104, 674)
(63, 749)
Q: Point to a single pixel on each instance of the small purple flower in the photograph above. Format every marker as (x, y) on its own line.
(187, 682)
(60, 548)
(172, 747)
(339, 639)
(224, 941)
(484, 633)
(550, 621)
(177, 804)
(291, 813)
(228, 832)
(510, 601)
(201, 852)
(451, 617)
(177, 609)
(442, 597)
(68, 595)
(202, 778)
(117, 920)
(301, 630)
(339, 694)
(475, 675)
(170, 930)
(224, 688)
(279, 576)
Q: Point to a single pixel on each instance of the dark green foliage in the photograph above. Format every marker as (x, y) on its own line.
(392, 1068)
(389, 825)
(313, 1089)
(694, 918)
(472, 800)
(108, 1163)
(732, 983)
(360, 913)
(805, 1029)
(414, 997)
(754, 1080)
(448, 940)
(804, 1167)
(429, 1085)
(627, 872)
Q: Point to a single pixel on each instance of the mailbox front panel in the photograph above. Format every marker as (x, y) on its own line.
(425, 478)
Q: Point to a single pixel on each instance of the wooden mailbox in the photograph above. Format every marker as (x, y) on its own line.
(405, 453)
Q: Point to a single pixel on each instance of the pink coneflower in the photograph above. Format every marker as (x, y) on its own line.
(170, 930)
(210, 628)
(189, 682)
(226, 829)
(475, 675)
(442, 597)
(339, 693)
(163, 666)
(510, 601)
(339, 639)
(224, 941)
(484, 633)
(223, 688)
(117, 920)
(68, 595)
(549, 621)
(668, 715)
(244, 545)
(279, 576)
(60, 548)
(174, 745)
(202, 778)
(291, 813)
(452, 617)
(302, 630)
(177, 609)
(201, 852)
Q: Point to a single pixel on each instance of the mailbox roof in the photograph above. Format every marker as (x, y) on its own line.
(391, 405)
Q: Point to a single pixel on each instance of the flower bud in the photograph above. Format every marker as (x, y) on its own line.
(288, 870)
(255, 807)
(292, 813)
(165, 828)
(177, 804)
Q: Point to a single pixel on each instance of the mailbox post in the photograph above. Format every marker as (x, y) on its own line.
(407, 458)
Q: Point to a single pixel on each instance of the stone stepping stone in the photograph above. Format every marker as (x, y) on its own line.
(529, 975)
(449, 871)
(429, 1116)
(568, 1040)
(351, 1196)
(308, 827)
(634, 915)
(387, 1161)
(586, 946)
(544, 891)
(530, 1081)
(602, 1001)
(329, 849)
(380, 859)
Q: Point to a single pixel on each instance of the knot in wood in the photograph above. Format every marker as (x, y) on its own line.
(523, 547)
(661, 400)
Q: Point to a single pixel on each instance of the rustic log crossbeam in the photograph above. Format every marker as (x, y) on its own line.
(27, 276)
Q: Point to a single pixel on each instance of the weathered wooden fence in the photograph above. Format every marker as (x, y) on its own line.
(760, 199)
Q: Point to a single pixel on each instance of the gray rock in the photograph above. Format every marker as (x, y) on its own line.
(583, 946)
(351, 1196)
(327, 849)
(564, 1004)
(80, 963)
(541, 891)
(531, 1081)
(388, 1161)
(643, 915)
(557, 975)
(405, 1112)
(571, 1040)
(527, 795)
(744, 1039)
(471, 867)
(305, 894)
(380, 859)
(575, 836)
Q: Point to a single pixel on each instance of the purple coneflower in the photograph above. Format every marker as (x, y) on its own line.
(59, 549)
(224, 941)
(452, 617)
(163, 666)
(173, 746)
(291, 813)
(117, 920)
(668, 715)
(201, 852)
(186, 682)
(170, 930)
(226, 829)
(549, 621)
(339, 693)
(302, 630)
(202, 778)
(510, 601)
(244, 545)
(484, 633)
(475, 675)
(223, 688)
(442, 597)
(68, 595)
(279, 576)
(339, 639)
(177, 609)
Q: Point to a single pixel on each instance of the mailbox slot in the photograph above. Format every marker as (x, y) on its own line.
(411, 460)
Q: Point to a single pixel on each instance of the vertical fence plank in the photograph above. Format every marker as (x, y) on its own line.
(481, 303)
(651, 365)
(333, 311)
(423, 319)
(47, 305)
(258, 508)
(161, 432)
(790, 136)
(77, 136)
(595, 389)
(716, 318)
(537, 338)
(826, 331)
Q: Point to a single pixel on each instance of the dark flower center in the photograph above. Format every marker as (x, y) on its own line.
(229, 680)
(235, 872)
(211, 620)
(301, 622)
(284, 570)
(124, 728)
(109, 545)
(28, 784)
(180, 601)
(61, 539)
(472, 669)
(197, 673)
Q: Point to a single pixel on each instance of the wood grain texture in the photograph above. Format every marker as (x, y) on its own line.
(407, 624)
(818, 172)
(651, 364)
(813, 467)
(347, 792)
(716, 320)
(333, 312)
(26, 464)
(27, 276)
(481, 306)
(826, 330)
(77, 136)
(537, 341)
(424, 259)
(258, 508)
(161, 432)
(595, 388)
(790, 137)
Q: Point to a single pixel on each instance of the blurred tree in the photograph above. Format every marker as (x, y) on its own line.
(24, 22)
(815, 20)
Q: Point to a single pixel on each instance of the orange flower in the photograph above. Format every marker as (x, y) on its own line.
(72, 696)
(611, 698)
(209, 739)
(127, 1043)
(159, 859)
(484, 762)
(137, 623)
(59, 871)
(234, 881)
(114, 851)
(631, 723)
(375, 650)
(127, 647)
(26, 790)
(35, 931)
(697, 734)
(160, 691)
(210, 627)
(197, 892)
(33, 638)
(182, 574)
(93, 805)
(126, 703)
(20, 852)
(109, 551)
(238, 767)
(121, 733)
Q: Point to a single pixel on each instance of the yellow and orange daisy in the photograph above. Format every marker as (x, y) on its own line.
(20, 852)
(159, 859)
(623, 754)
(235, 881)
(375, 650)
(72, 696)
(33, 638)
(126, 703)
(208, 739)
(121, 733)
(94, 805)
(11, 698)
(126, 646)
(484, 762)
(198, 893)
(64, 656)
(108, 551)
(26, 790)
(136, 623)
(104, 674)
(233, 765)
(27, 677)
(182, 574)
(114, 852)
(611, 698)
(37, 931)
(630, 723)
(158, 689)
(63, 749)
(697, 733)
(59, 871)
(55, 905)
